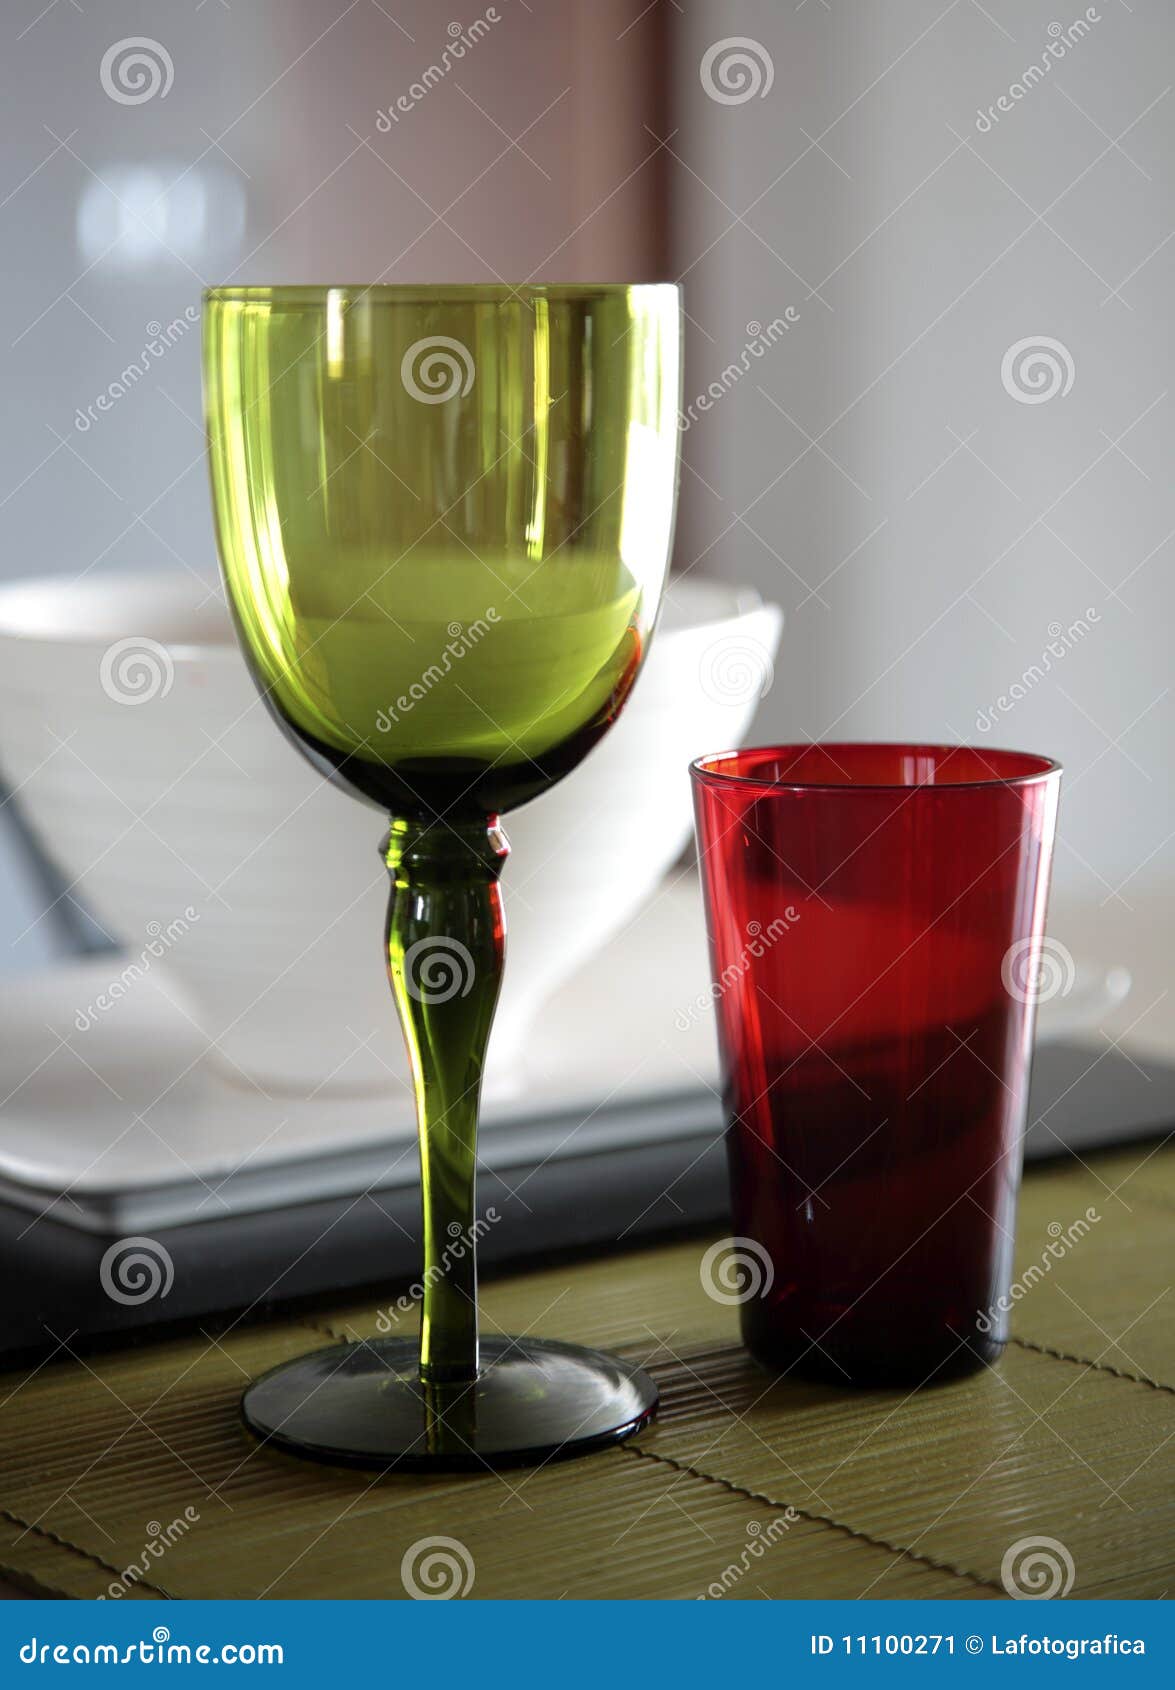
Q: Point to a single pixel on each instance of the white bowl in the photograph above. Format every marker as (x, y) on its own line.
(153, 775)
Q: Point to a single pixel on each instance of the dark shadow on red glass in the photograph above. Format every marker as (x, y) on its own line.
(876, 921)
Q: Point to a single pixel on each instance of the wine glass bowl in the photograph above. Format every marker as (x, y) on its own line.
(418, 484)
(444, 518)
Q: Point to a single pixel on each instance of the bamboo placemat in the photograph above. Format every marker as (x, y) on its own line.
(1072, 1438)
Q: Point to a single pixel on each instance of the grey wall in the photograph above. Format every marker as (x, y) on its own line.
(924, 529)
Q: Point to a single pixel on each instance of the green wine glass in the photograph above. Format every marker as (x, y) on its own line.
(444, 517)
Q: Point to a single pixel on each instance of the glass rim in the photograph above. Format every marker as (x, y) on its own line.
(392, 293)
(703, 769)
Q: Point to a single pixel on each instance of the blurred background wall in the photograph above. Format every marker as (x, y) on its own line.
(900, 185)
(928, 530)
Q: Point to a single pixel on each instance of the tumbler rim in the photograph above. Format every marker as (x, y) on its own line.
(706, 770)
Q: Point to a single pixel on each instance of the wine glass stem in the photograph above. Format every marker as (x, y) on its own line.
(445, 945)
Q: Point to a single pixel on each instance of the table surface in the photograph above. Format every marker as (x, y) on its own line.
(1071, 1437)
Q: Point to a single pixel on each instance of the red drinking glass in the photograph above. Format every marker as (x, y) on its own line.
(876, 921)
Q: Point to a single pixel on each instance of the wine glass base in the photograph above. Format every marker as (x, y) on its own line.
(364, 1405)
